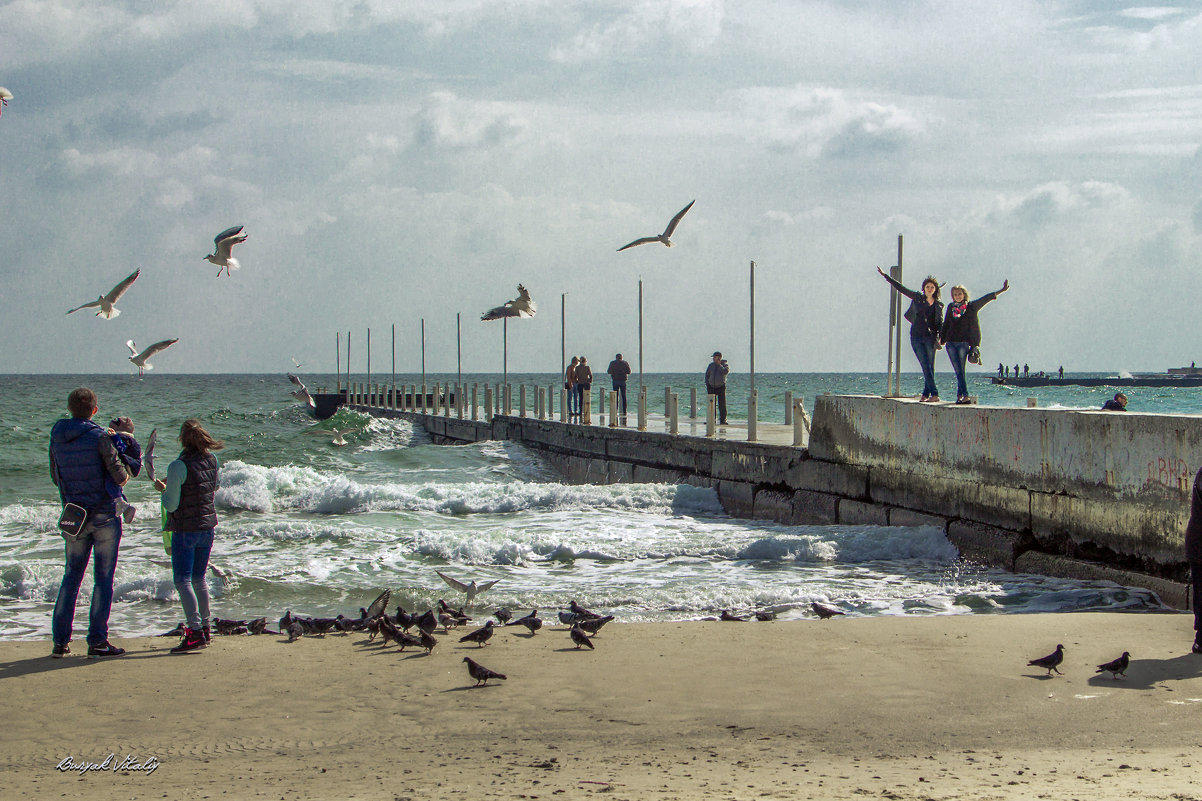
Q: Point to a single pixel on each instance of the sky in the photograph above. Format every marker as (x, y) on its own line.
(394, 162)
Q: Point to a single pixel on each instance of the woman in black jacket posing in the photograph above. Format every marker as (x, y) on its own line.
(926, 318)
(961, 332)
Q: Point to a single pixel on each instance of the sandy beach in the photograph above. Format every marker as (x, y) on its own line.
(901, 708)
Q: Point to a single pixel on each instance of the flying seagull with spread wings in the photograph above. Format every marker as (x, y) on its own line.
(105, 302)
(142, 360)
(471, 590)
(521, 306)
(223, 244)
(301, 393)
(665, 237)
(5, 96)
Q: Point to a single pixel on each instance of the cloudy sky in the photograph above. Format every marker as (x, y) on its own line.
(394, 161)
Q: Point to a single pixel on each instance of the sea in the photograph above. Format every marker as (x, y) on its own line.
(321, 529)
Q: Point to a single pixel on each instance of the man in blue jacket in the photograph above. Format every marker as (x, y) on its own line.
(82, 456)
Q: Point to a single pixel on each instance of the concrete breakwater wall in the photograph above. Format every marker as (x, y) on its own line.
(1057, 492)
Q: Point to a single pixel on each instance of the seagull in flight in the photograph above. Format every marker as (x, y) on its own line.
(223, 243)
(301, 393)
(142, 360)
(471, 590)
(665, 236)
(105, 302)
(148, 455)
(5, 96)
(521, 306)
(296, 363)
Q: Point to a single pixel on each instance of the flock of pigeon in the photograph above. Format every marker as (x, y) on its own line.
(1051, 662)
(223, 244)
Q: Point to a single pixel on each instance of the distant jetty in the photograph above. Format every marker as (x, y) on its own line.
(1173, 377)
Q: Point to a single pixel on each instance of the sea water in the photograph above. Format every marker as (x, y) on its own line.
(321, 529)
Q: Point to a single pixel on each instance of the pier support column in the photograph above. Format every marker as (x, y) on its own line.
(642, 408)
(801, 425)
(613, 408)
(586, 407)
(488, 410)
(789, 408)
(674, 413)
(563, 405)
(667, 401)
(474, 389)
(693, 403)
(711, 415)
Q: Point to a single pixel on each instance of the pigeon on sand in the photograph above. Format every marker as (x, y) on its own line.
(142, 360)
(223, 245)
(480, 673)
(726, 615)
(1050, 661)
(105, 302)
(665, 237)
(521, 306)
(480, 636)
(825, 612)
(1117, 667)
(594, 624)
(580, 638)
(531, 621)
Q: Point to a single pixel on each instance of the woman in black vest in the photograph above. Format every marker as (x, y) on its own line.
(191, 518)
(926, 317)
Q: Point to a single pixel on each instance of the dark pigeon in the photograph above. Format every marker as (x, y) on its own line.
(295, 630)
(580, 638)
(503, 615)
(403, 619)
(1116, 668)
(1050, 661)
(427, 622)
(480, 673)
(726, 615)
(377, 607)
(480, 635)
(221, 626)
(825, 612)
(765, 615)
(404, 638)
(593, 625)
(427, 641)
(259, 626)
(531, 621)
(581, 611)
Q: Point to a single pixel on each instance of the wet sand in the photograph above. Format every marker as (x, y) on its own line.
(900, 708)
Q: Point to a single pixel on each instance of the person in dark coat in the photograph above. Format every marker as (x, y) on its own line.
(1116, 404)
(715, 383)
(926, 318)
(82, 460)
(189, 502)
(1193, 555)
(961, 332)
(619, 371)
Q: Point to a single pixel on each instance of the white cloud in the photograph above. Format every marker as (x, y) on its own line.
(446, 121)
(1052, 201)
(691, 24)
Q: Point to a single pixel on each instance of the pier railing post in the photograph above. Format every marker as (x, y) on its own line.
(551, 402)
(586, 407)
(667, 401)
(563, 406)
(711, 415)
(413, 397)
(475, 387)
(521, 400)
(539, 409)
(642, 408)
(496, 399)
(446, 400)
(752, 413)
(693, 403)
(613, 408)
(801, 425)
(674, 414)
(509, 399)
(488, 411)
(423, 399)
(789, 407)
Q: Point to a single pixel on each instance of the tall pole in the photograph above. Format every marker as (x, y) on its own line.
(563, 334)
(459, 351)
(504, 353)
(898, 317)
(369, 366)
(423, 353)
(348, 366)
(753, 328)
(640, 336)
(393, 387)
(338, 360)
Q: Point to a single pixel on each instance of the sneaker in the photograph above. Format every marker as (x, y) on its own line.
(933, 399)
(104, 649)
(208, 635)
(193, 640)
(1197, 647)
(60, 651)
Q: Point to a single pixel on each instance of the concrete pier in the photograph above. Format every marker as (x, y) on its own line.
(1070, 493)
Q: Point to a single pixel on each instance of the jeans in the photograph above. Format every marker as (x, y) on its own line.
(620, 388)
(101, 536)
(1195, 571)
(189, 561)
(572, 407)
(924, 350)
(958, 353)
(579, 391)
(721, 393)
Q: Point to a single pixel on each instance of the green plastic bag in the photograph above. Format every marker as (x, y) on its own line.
(166, 531)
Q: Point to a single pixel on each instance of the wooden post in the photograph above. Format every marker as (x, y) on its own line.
(338, 362)
(368, 382)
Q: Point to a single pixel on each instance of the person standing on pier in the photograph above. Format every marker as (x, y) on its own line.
(1193, 555)
(715, 383)
(961, 333)
(926, 318)
(584, 381)
(569, 383)
(619, 371)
